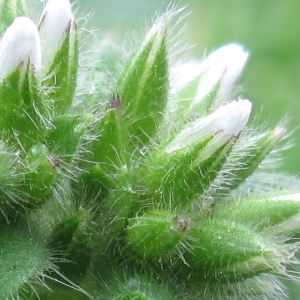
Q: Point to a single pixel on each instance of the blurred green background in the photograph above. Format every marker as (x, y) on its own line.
(269, 29)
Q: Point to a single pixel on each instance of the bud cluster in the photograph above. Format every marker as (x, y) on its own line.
(146, 188)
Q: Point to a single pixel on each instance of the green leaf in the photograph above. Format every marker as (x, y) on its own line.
(22, 262)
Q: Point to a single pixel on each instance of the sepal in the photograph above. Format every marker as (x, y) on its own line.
(144, 83)
(245, 159)
(155, 235)
(59, 39)
(227, 251)
(186, 165)
(71, 242)
(39, 171)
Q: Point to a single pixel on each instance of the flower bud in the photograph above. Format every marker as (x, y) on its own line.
(60, 52)
(220, 70)
(227, 251)
(246, 158)
(71, 240)
(155, 235)
(19, 46)
(264, 211)
(54, 26)
(224, 124)
(143, 86)
(192, 159)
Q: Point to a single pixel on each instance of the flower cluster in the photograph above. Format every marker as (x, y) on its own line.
(146, 188)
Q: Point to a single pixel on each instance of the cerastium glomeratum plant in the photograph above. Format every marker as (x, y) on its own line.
(137, 178)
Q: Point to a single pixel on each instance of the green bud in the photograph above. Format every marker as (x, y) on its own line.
(188, 163)
(223, 250)
(263, 211)
(10, 196)
(155, 235)
(143, 86)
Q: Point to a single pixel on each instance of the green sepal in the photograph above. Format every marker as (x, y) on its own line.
(9, 10)
(62, 75)
(227, 251)
(65, 137)
(119, 205)
(10, 179)
(262, 211)
(22, 262)
(25, 112)
(246, 161)
(155, 235)
(177, 177)
(110, 148)
(71, 242)
(39, 174)
(143, 86)
(181, 102)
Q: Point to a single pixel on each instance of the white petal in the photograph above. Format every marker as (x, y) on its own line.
(20, 43)
(222, 67)
(225, 123)
(55, 21)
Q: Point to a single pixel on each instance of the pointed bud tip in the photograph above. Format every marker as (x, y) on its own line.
(160, 25)
(278, 134)
(20, 43)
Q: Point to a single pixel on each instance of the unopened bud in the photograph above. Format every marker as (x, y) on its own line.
(19, 46)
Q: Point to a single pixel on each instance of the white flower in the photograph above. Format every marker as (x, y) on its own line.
(222, 68)
(224, 123)
(55, 23)
(20, 44)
